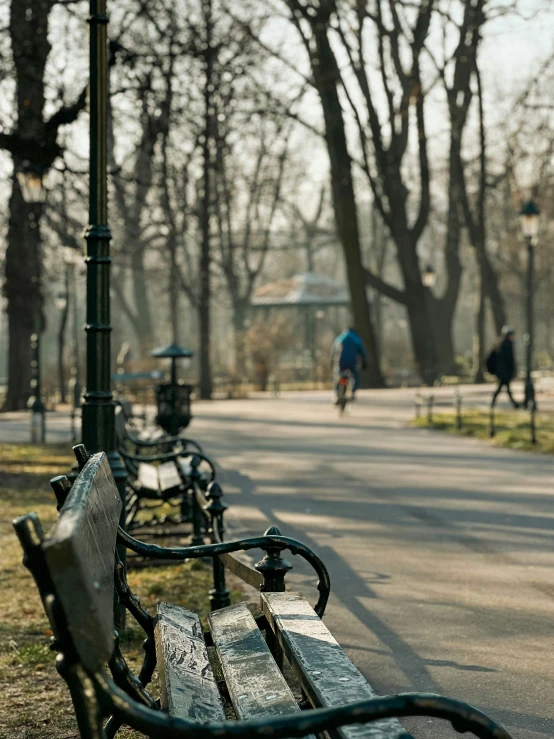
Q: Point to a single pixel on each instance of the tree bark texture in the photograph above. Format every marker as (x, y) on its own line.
(32, 143)
(204, 303)
(326, 76)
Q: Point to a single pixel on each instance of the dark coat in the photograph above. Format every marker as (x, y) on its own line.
(505, 361)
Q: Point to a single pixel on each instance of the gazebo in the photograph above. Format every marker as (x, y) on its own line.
(311, 295)
(306, 290)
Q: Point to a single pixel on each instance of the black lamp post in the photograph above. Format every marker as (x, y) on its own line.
(38, 410)
(98, 416)
(529, 219)
(32, 188)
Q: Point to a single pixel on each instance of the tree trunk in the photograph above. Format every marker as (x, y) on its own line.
(145, 331)
(204, 311)
(479, 326)
(422, 333)
(23, 292)
(494, 295)
(173, 291)
(326, 76)
(442, 323)
(239, 320)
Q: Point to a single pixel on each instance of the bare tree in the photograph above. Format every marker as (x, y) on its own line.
(313, 24)
(33, 145)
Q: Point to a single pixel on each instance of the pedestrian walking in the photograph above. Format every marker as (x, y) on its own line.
(502, 364)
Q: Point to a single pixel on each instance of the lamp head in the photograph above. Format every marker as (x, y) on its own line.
(529, 219)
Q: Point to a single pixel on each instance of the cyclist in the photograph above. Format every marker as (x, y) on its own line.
(347, 348)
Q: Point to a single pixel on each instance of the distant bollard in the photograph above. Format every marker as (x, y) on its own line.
(418, 406)
(430, 401)
(458, 410)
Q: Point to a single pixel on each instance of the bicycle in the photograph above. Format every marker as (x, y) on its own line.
(345, 390)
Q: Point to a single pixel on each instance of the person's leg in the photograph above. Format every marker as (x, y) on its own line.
(509, 391)
(497, 392)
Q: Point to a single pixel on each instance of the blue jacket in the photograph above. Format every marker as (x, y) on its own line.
(348, 347)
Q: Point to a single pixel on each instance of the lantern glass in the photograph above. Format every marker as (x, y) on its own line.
(429, 277)
(61, 302)
(32, 188)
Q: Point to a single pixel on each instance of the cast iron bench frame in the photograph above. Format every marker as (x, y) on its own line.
(73, 568)
(163, 470)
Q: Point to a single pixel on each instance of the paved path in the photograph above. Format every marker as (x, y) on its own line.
(440, 549)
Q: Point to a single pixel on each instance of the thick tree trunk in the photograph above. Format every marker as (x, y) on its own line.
(326, 76)
(422, 333)
(23, 292)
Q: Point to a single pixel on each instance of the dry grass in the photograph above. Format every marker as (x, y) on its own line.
(512, 428)
(36, 702)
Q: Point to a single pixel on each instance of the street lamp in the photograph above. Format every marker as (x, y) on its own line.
(429, 276)
(529, 220)
(61, 302)
(98, 411)
(29, 178)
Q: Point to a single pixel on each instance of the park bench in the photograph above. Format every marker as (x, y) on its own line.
(73, 567)
(148, 437)
(161, 471)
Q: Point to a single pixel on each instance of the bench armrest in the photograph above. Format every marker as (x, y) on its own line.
(269, 543)
(462, 716)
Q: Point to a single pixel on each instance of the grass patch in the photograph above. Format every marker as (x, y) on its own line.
(36, 702)
(512, 428)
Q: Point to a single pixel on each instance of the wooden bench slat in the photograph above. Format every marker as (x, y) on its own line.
(188, 685)
(255, 683)
(148, 476)
(168, 476)
(80, 551)
(328, 676)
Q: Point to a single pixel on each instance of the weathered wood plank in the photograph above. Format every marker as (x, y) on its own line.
(169, 476)
(148, 477)
(328, 676)
(243, 570)
(255, 683)
(80, 551)
(188, 685)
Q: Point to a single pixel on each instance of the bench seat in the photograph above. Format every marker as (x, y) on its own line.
(255, 684)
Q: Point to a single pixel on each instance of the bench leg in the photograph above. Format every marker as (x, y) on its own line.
(197, 522)
(219, 594)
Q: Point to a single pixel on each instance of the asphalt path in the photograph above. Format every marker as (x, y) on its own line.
(439, 548)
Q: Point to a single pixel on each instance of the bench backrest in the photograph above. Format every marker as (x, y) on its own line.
(80, 553)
